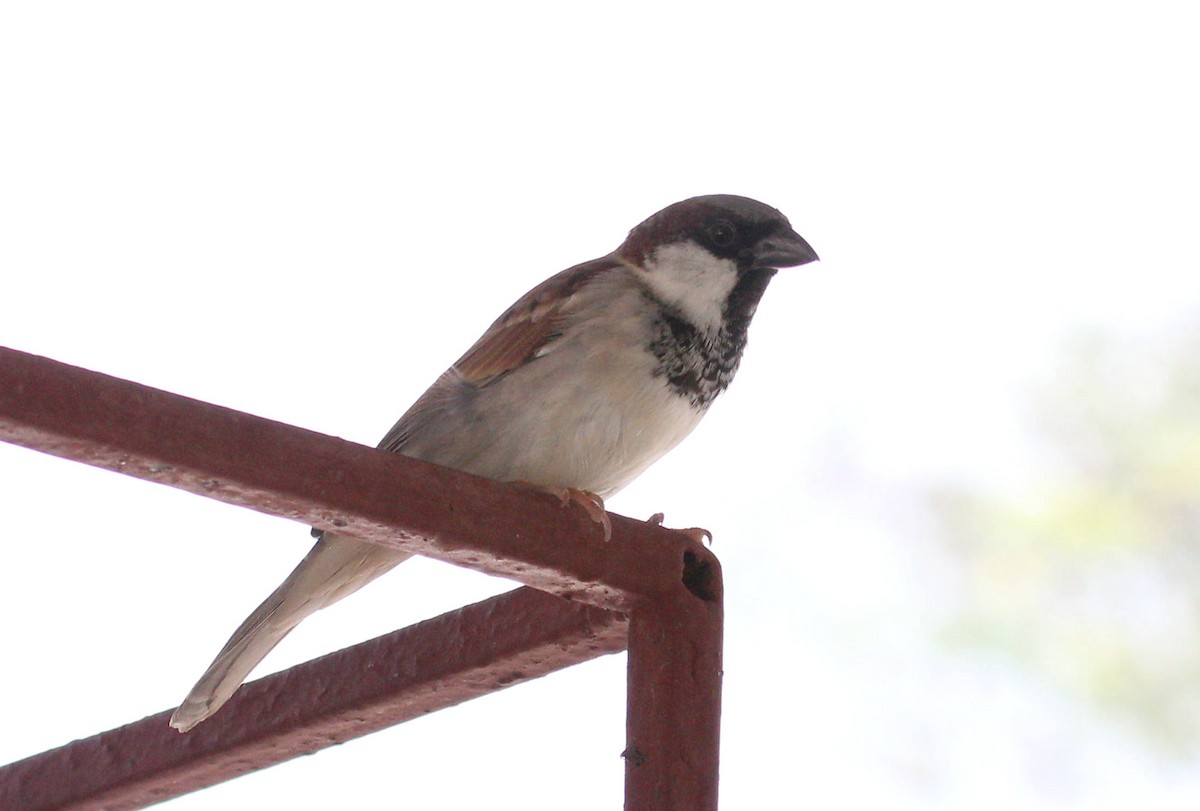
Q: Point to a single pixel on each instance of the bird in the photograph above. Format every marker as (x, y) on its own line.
(577, 388)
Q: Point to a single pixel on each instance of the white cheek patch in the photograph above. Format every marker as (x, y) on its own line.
(687, 277)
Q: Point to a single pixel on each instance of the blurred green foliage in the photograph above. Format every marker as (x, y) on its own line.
(1087, 575)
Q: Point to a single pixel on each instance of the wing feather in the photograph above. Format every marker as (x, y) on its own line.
(522, 333)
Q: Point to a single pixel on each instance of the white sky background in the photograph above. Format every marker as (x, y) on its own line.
(306, 211)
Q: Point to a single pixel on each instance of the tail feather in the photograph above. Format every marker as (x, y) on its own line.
(335, 568)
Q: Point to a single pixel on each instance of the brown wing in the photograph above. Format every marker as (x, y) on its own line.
(515, 338)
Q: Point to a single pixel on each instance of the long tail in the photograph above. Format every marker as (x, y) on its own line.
(334, 568)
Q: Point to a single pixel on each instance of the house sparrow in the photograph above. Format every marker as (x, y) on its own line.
(581, 385)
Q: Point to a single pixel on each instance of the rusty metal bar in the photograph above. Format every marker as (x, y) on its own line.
(434, 664)
(331, 483)
(667, 582)
(673, 721)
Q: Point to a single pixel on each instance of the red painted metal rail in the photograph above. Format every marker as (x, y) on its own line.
(649, 589)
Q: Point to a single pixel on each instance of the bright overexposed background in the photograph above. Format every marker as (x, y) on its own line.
(955, 488)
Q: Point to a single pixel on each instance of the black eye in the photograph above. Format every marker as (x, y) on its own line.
(721, 233)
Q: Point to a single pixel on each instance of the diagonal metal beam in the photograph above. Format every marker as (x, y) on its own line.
(331, 483)
(429, 666)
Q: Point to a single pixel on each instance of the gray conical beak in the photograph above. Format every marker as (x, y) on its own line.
(783, 250)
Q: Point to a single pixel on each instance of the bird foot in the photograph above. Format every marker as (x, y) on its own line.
(591, 503)
(697, 534)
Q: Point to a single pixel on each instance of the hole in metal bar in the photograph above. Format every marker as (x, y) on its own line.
(698, 576)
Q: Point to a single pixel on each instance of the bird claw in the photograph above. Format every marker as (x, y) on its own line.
(591, 503)
(697, 534)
